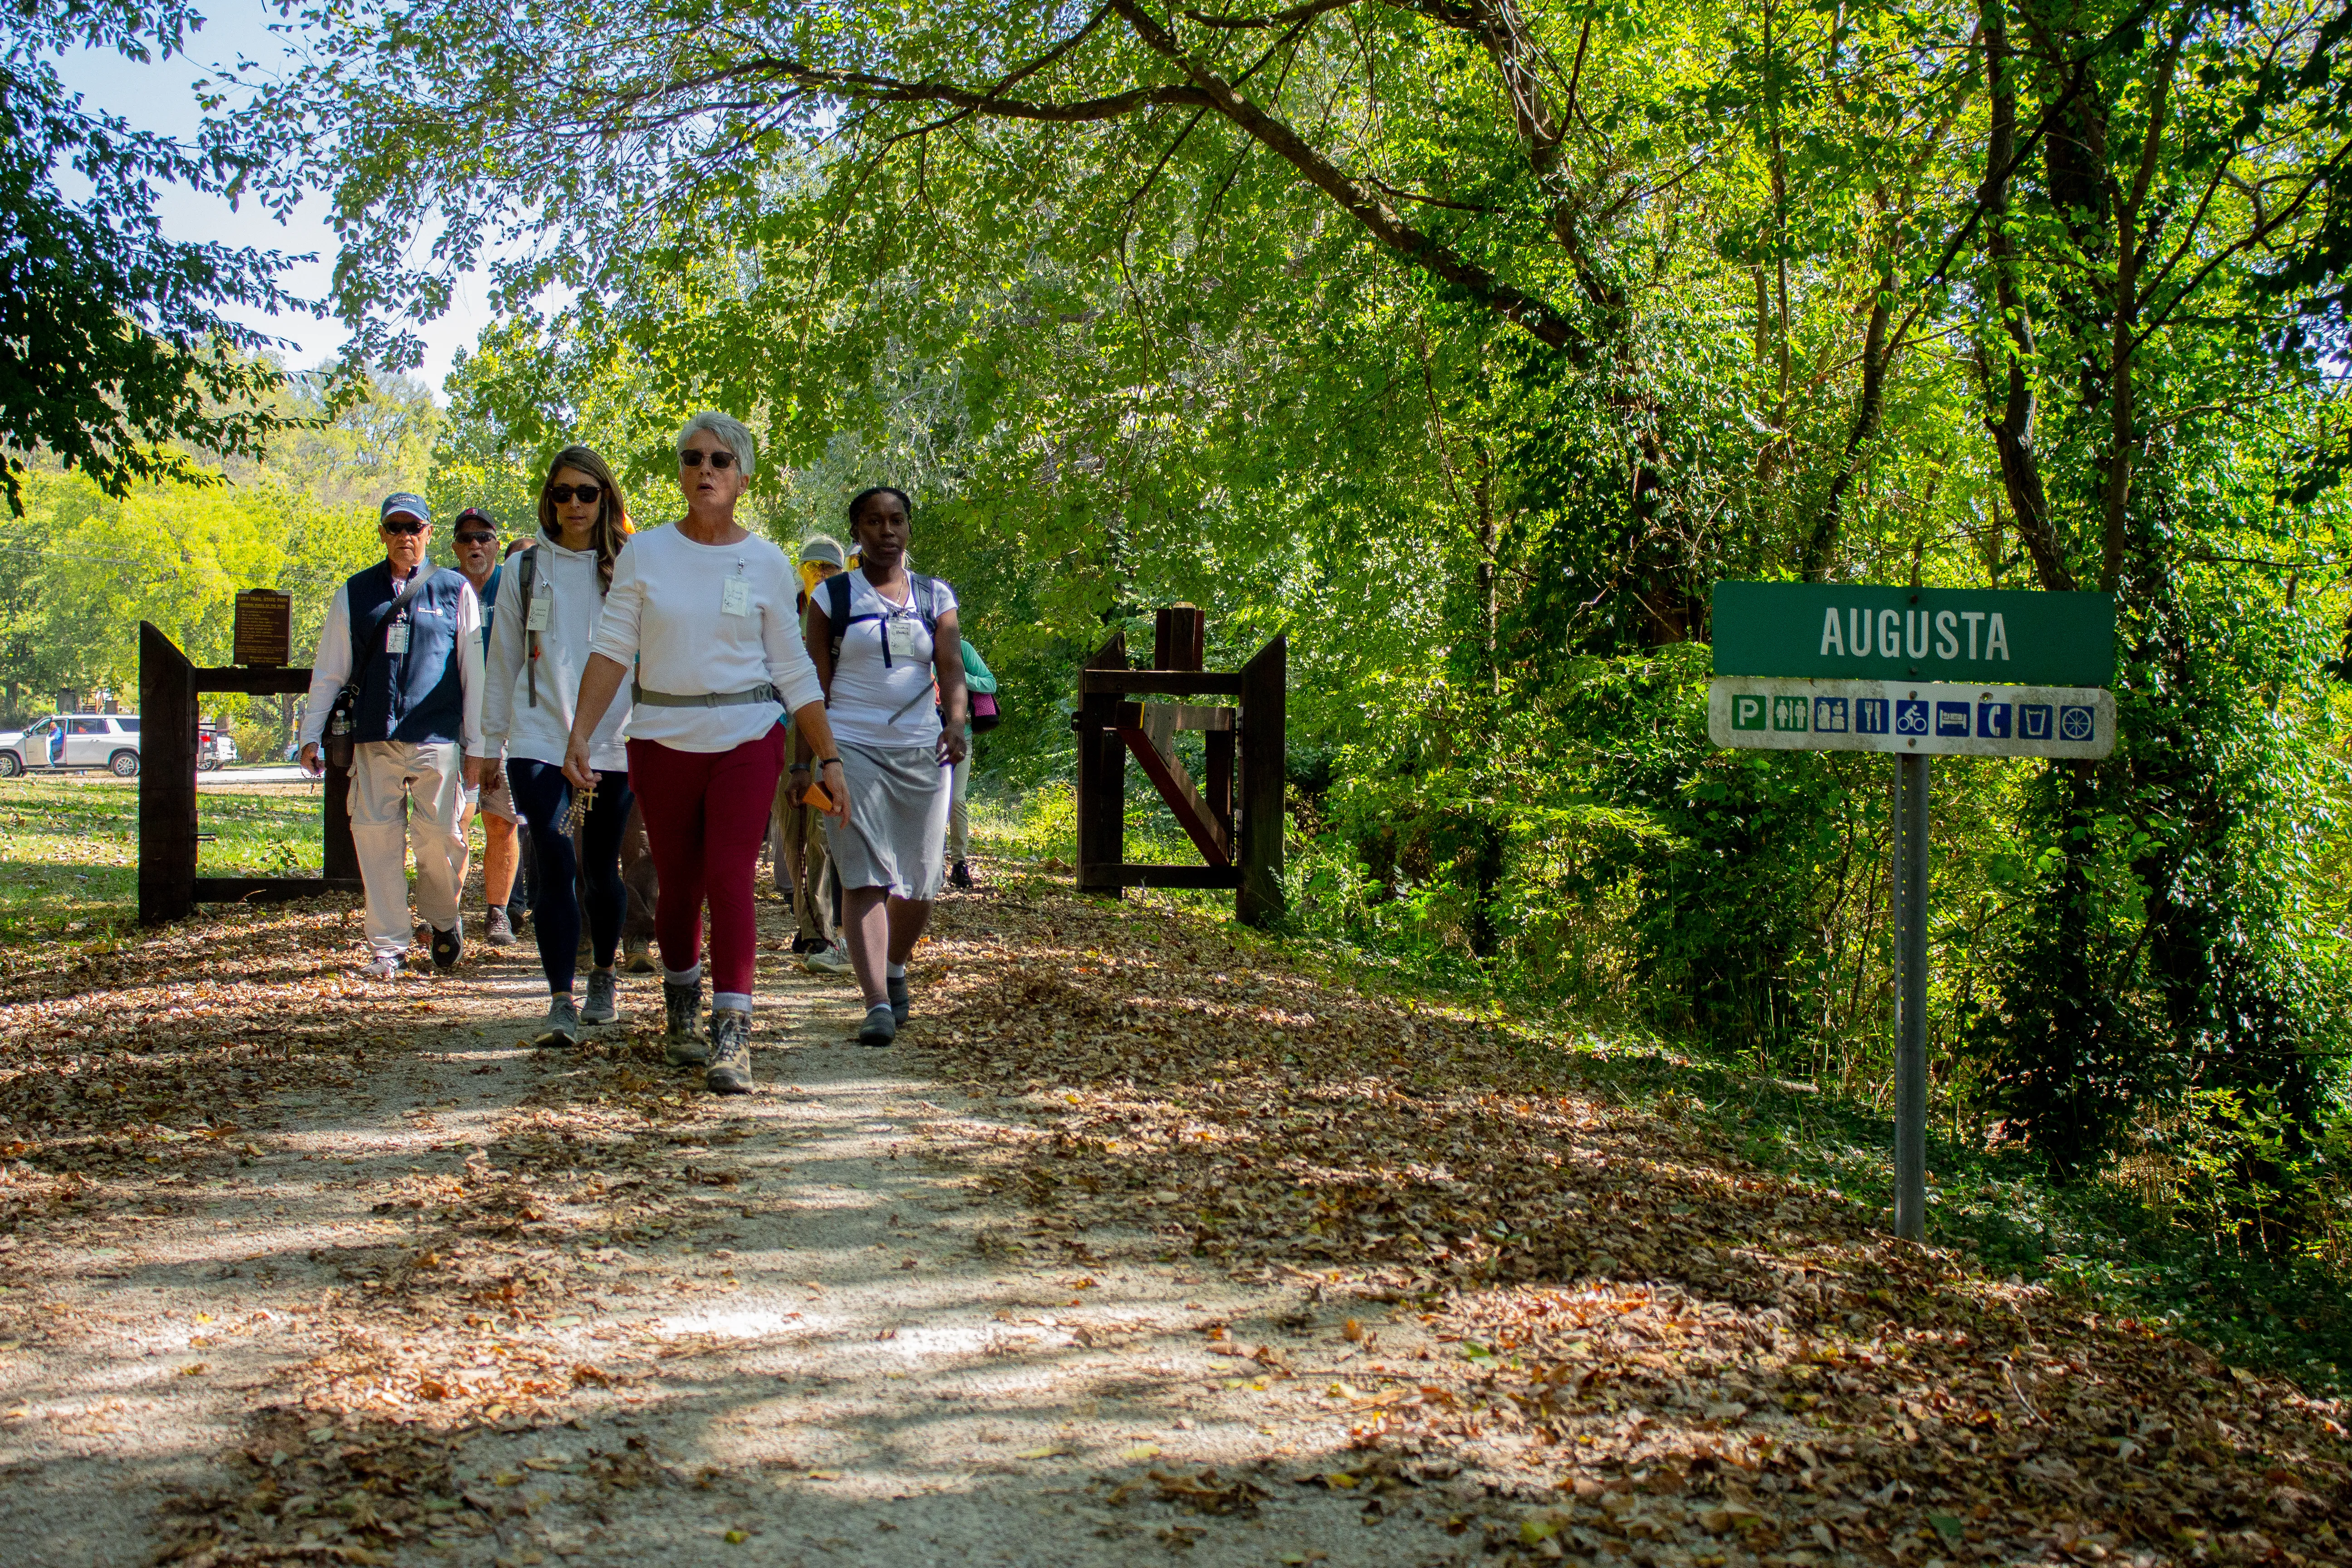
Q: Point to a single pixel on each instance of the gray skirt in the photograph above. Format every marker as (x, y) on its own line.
(897, 820)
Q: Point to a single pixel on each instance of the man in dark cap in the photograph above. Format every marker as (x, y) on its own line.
(400, 656)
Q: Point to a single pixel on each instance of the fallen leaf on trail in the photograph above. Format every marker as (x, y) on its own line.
(1045, 1453)
(826, 1475)
(1141, 1452)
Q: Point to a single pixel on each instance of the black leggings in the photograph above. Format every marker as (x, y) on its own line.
(543, 796)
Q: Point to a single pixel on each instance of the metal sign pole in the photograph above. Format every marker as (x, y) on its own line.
(1911, 792)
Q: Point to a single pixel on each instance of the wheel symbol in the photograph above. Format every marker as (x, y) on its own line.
(2075, 723)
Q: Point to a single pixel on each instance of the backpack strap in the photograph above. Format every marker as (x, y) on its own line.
(922, 598)
(529, 638)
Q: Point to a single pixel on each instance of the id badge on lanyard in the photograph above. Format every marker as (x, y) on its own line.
(735, 598)
(542, 607)
(396, 640)
(902, 633)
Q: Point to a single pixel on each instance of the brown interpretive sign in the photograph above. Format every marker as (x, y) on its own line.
(265, 627)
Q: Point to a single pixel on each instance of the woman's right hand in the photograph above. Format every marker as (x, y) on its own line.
(575, 762)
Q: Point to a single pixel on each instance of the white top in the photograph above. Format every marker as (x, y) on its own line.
(330, 667)
(676, 613)
(566, 579)
(872, 704)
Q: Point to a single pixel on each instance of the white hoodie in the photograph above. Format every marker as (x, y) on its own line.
(509, 722)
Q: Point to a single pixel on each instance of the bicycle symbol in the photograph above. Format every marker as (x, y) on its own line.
(1910, 718)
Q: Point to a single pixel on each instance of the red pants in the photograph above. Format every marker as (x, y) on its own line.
(706, 817)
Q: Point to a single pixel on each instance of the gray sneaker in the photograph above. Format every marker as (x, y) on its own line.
(497, 931)
(880, 1028)
(563, 1025)
(827, 960)
(730, 1053)
(382, 966)
(684, 1043)
(900, 998)
(603, 998)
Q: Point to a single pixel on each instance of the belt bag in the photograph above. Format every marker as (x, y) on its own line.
(763, 692)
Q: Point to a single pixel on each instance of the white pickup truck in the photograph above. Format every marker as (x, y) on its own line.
(73, 740)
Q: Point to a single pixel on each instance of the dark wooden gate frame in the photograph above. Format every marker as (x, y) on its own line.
(1244, 854)
(169, 888)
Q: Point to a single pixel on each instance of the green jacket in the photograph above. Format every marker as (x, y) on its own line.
(976, 676)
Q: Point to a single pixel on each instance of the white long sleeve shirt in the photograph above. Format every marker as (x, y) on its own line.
(696, 619)
(330, 667)
(510, 724)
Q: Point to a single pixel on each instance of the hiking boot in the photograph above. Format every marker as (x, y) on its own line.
(446, 946)
(497, 931)
(637, 958)
(826, 959)
(730, 1053)
(881, 1026)
(603, 1000)
(900, 998)
(563, 1025)
(382, 966)
(960, 876)
(684, 1043)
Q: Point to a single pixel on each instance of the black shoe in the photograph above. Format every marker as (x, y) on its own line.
(961, 876)
(446, 946)
(880, 1028)
(895, 986)
(685, 1043)
(730, 1053)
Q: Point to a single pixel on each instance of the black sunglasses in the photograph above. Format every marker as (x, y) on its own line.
(587, 495)
(408, 525)
(692, 459)
(477, 539)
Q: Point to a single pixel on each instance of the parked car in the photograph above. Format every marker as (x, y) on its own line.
(65, 742)
(214, 747)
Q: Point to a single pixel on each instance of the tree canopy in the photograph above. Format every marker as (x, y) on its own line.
(117, 355)
(1472, 343)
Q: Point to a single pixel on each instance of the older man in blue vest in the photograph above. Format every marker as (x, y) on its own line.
(404, 639)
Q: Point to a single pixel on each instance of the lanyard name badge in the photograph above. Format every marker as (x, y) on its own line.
(902, 632)
(542, 607)
(735, 598)
(395, 639)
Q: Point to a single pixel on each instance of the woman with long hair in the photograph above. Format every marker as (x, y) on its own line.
(700, 624)
(550, 597)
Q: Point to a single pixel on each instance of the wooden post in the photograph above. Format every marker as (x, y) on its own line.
(1102, 778)
(1180, 638)
(1265, 776)
(167, 779)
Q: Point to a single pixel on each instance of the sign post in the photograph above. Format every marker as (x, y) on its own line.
(1922, 673)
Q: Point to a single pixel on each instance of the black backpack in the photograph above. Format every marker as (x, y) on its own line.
(922, 594)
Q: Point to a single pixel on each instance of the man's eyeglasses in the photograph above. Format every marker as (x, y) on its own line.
(692, 459)
(405, 525)
(587, 495)
(477, 539)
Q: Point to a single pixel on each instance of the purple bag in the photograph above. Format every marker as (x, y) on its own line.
(984, 715)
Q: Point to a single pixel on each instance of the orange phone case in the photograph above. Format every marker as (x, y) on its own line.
(816, 796)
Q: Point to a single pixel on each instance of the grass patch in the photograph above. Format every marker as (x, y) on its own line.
(69, 851)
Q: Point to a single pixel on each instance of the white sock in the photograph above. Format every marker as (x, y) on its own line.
(731, 1001)
(895, 971)
(683, 976)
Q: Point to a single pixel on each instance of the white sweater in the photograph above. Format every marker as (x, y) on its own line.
(509, 722)
(668, 616)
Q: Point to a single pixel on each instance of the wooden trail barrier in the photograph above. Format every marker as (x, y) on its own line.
(169, 888)
(1244, 753)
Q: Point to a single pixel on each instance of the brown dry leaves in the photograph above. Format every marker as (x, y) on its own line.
(1685, 1356)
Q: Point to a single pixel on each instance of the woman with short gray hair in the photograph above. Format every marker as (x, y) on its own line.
(701, 618)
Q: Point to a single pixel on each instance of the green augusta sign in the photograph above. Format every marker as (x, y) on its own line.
(1969, 636)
